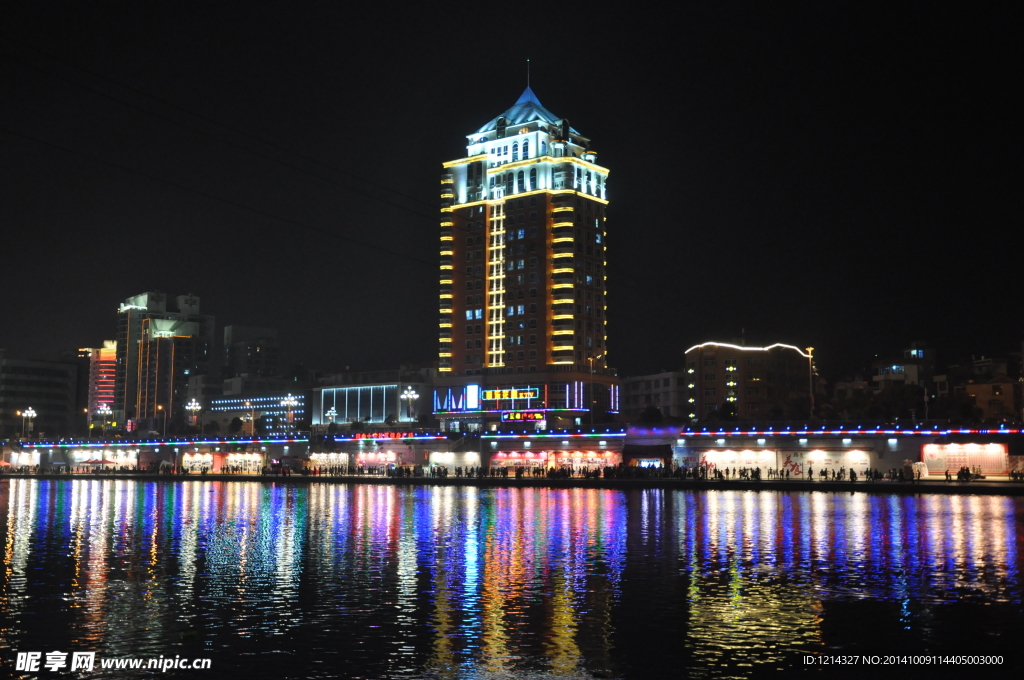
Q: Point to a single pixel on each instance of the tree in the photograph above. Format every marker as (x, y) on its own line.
(212, 427)
(235, 426)
(651, 414)
(332, 428)
(391, 419)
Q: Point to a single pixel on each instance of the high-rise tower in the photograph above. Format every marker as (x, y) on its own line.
(523, 324)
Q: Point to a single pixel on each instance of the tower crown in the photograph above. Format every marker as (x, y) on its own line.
(527, 114)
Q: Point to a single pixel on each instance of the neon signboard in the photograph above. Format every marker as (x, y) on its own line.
(494, 395)
(522, 416)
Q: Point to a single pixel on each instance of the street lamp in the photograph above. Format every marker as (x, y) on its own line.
(28, 414)
(410, 397)
(810, 367)
(290, 403)
(194, 408)
(252, 419)
(164, 414)
(104, 411)
(592, 399)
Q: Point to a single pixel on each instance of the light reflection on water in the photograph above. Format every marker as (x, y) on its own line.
(274, 580)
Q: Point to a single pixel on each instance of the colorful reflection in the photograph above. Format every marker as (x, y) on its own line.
(276, 580)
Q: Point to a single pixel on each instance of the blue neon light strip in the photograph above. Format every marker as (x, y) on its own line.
(552, 436)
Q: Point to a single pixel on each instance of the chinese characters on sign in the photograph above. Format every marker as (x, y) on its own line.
(528, 393)
(522, 416)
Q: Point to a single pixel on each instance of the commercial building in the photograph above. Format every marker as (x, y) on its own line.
(665, 391)
(158, 349)
(270, 413)
(752, 383)
(251, 351)
(374, 397)
(523, 306)
(37, 398)
(102, 383)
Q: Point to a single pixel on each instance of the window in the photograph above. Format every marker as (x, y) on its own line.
(753, 391)
(478, 313)
(533, 323)
(520, 185)
(710, 407)
(533, 355)
(515, 152)
(478, 343)
(521, 310)
(710, 391)
(533, 183)
(709, 376)
(526, 149)
(709, 362)
(533, 308)
(469, 329)
(521, 264)
(469, 314)
(533, 263)
(521, 232)
(543, 148)
(533, 341)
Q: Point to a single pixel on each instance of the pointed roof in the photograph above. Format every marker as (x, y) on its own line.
(526, 109)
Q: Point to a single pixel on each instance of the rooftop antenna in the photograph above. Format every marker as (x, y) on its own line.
(527, 72)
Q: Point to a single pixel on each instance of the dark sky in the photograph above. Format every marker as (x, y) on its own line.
(840, 175)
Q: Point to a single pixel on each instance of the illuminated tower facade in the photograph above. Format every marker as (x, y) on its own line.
(523, 308)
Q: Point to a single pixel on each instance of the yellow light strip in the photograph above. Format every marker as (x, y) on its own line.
(444, 369)
(561, 270)
(446, 282)
(559, 363)
(563, 239)
(447, 208)
(445, 296)
(447, 181)
(447, 252)
(445, 325)
(445, 339)
(556, 317)
(447, 238)
(562, 333)
(562, 255)
(561, 348)
(463, 161)
(561, 224)
(447, 224)
(444, 354)
(446, 266)
(447, 195)
(445, 311)
(561, 285)
(565, 208)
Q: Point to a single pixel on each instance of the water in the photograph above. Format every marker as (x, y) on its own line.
(269, 580)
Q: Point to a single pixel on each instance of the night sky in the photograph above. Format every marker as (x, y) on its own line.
(831, 174)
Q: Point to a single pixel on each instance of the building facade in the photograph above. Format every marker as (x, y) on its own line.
(523, 306)
(46, 389)
(752, 383)
(665, 391)
(102, 382)
(251, 351)
(158, 349)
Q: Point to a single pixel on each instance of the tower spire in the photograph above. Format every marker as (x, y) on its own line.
(527, 73)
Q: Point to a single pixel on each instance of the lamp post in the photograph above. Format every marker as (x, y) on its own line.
(194, 408)
(592, 399)
(410, 397)
(331, 414)
(290, 403)
(163, 412)
(810, 367)
(104, 411)
(252, 419)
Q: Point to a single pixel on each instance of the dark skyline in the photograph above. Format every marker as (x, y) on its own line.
(838, 176)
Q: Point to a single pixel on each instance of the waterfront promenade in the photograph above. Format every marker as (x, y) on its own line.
(926, 486)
